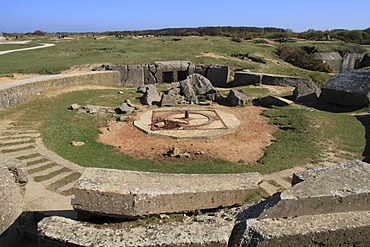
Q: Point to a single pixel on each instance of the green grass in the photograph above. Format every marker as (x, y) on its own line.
(16, 149)
(16, 143)
(303, 135)
(199, 50)
(64, 181)
(41, 168)
(35, 162)
(30, 156)
(51, 174)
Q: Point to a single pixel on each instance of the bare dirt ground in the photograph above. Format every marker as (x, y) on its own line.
(246, 144)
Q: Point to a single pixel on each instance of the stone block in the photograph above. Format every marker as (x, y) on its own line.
(242, 78)
(202, 232)
(132, 194)
(135, 76)
(149, 74)
(351, 61)
(339, 229)
(172, 71)
(348, 89)
(218, 75)
(341, 188)
(201, 69)
(236, 98)
(282, 80)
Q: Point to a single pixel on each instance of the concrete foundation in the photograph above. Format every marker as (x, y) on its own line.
(133, 194)
(242, 78)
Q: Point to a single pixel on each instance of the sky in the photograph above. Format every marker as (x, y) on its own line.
(21, 16)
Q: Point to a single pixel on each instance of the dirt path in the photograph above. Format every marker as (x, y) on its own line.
(26, 49)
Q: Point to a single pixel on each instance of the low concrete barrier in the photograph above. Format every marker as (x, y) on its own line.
(340, 229)
(342, 188)
(132, 194)
(14, 93)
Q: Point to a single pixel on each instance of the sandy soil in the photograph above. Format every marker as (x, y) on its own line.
(246, 144)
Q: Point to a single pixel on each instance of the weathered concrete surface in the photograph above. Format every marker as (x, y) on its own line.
(135, 76)
(151, 95)
(306, 91)
(333, 59)
(351, 61)
(131, 194)
(348, 89)
(243, 78)
(204, 232)
(341, 188)
(178, 69)
(218, 75)
(13, 178)
(236, 98)
(16, 92)
(339, 229)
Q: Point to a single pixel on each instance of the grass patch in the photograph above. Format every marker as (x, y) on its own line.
(288, 179)
(64, 181)
(41, 168)
(51, 175)
(301, 137)
(30, 156)
(257, 196)
(16, 143)
(35, 162)
(16, 149)
(67, 192)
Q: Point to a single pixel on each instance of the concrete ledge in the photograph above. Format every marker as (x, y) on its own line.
(59, 231)
(14, 93)
(341, 188)
(133, 194)
(243, 78)
(340, 229)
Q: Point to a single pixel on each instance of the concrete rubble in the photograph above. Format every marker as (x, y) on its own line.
(270, 101)
(325, 207)
(348, 89)
(236, 98)
(134, 194)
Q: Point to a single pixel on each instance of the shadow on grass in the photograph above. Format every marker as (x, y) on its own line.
(365, 121)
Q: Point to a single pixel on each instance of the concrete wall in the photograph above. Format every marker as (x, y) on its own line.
(14, 93)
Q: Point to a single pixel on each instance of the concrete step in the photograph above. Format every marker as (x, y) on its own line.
(283, 183)
(269, 188)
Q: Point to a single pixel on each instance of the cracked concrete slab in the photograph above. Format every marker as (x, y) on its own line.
(132, 194)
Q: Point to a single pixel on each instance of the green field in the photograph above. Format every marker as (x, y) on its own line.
(304, 135)
(83, 50)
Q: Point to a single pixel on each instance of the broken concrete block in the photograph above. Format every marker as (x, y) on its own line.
(341, 188)
(218, 75)
(348, 89)
(196, 85)
(242, 78)
(203, 232)
(236, 98)
(132, 194)
(151, 95)
(135, 76)
(339, 229)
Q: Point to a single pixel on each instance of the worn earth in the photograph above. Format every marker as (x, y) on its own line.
(246, 144)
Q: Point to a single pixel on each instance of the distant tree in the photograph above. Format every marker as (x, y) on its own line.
(39, 33)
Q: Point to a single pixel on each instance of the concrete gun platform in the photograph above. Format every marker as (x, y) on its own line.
(204, 122)
(133, 194)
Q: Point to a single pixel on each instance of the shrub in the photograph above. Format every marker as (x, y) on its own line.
(300, 58)
(236, 39)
